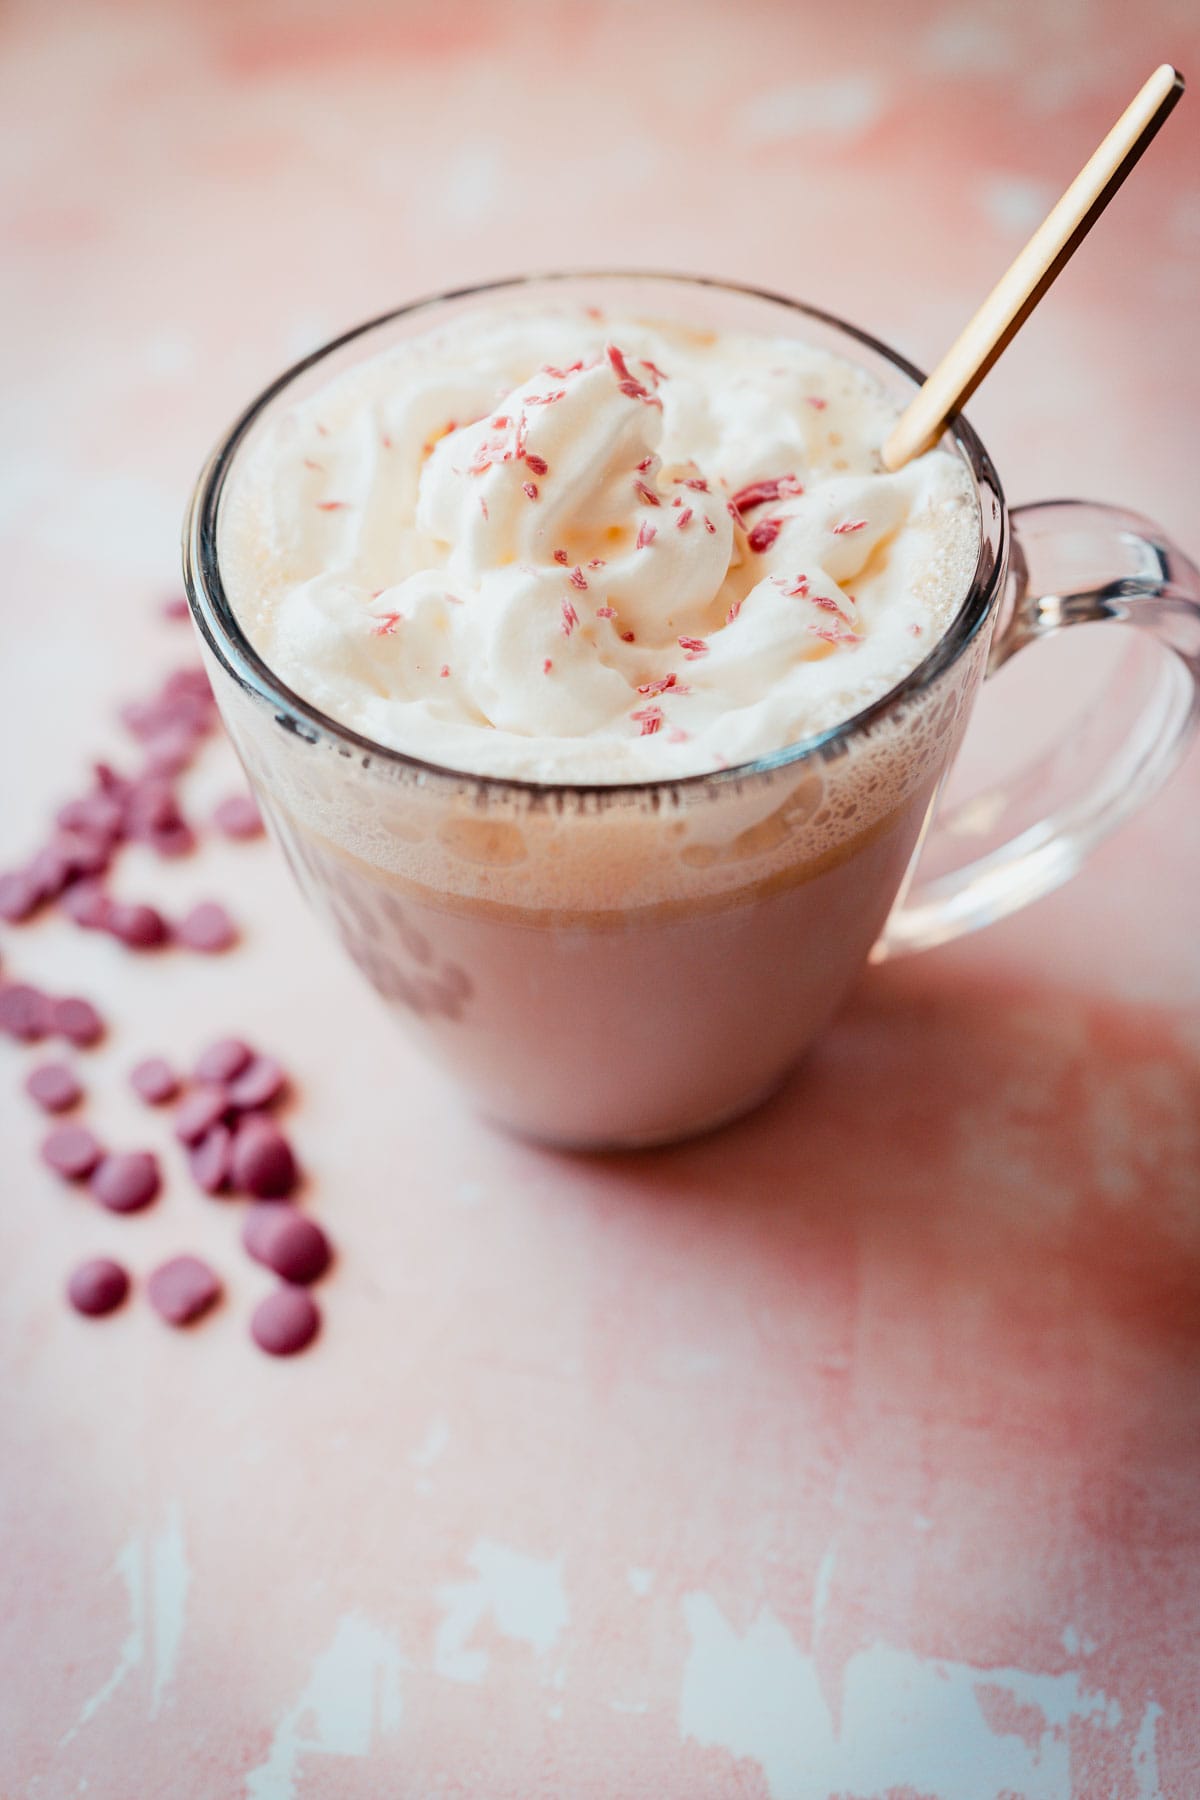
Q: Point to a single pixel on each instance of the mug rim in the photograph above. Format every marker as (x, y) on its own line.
(221, 631)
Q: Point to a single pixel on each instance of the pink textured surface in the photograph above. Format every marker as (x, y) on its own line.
(851, 1452)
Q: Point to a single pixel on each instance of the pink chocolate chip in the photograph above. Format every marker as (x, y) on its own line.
(24, 1012)
(128, 1182)
(263, 1163)
(154, 1080)
(237, 816)
(210, 1160)
(54, 1087)
(98, 814)
(72, 1151)
(50, 872)
(183, 1288)
(195, 1115)
(20, 895)
(150, 806)
(284, 1240)
(170, 752)
(82, 852)
(258, 1085)
(207, 928)
(222, 1060)
(285, 1322)
(88, 905)
(97, 1287)
(173, 840)
(141, 927)
(77, 1020)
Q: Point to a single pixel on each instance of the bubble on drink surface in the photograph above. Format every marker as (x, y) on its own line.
(493, 843)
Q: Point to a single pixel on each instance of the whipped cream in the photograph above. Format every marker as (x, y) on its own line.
(560, 547)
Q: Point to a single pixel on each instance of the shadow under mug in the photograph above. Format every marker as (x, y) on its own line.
(606, 967)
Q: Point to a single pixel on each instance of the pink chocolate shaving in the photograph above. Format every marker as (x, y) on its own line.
(685, 518)
(627, 383)
(694, 647)
(760, 492)
(646, 535)
(577, 578)
(570, 618)
(764, 534)
(530, 488)
(606, 612)
(650, 718)
(847, 525)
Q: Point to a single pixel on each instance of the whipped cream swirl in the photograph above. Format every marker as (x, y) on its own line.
(562, 548)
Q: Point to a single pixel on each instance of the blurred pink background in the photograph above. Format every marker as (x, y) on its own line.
(851, 1452)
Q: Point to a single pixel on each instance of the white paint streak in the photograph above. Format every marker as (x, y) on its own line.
(962, 44)
(350, 1700)
(170, 1579)
(1015, 205)
(904, 1721)
(523, 1595)
(845, 108)
(156, 1584)
(129, 1567)
(1145, 1754)
(684, 1364)
(821, 1586)
(165, 355)
(471, 182)
(431, 1446)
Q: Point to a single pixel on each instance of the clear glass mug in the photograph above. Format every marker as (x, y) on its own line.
(605, 967)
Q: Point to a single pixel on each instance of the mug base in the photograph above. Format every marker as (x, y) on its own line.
(660, 1138)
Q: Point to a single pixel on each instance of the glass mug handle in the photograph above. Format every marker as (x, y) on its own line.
(1072, 563)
